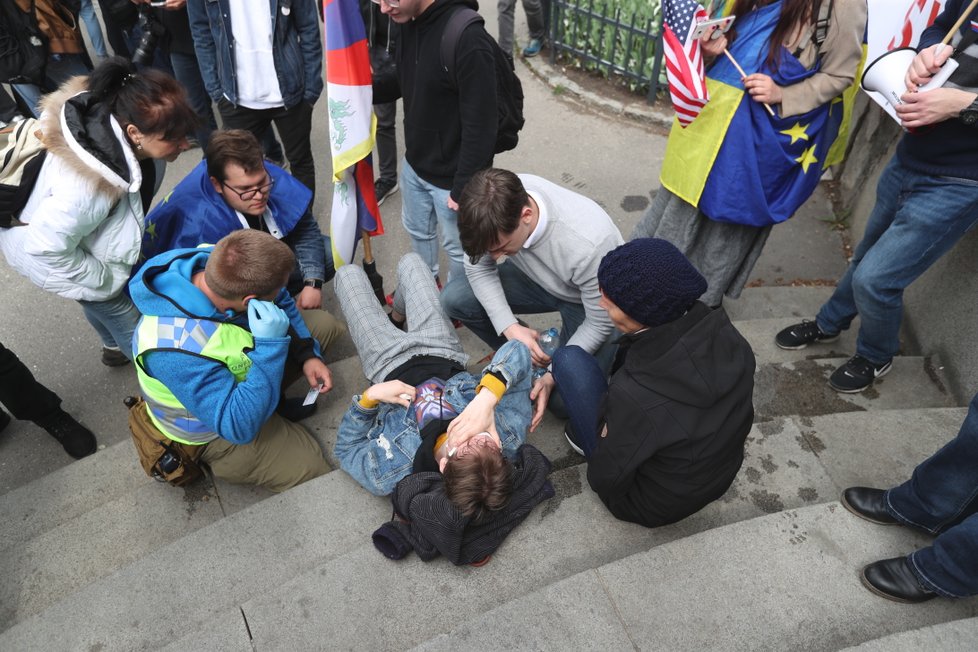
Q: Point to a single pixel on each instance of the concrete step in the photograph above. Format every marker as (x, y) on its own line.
(787, 580)
(801, 388)
(954, 636)
(770, 302)
(570, 534)
(788, 463)
(760, 333)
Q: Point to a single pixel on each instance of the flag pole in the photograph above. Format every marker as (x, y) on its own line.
(961, 19)
(744, 74)
(370, 267)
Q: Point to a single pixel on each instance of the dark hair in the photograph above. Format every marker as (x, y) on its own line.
(248, 261)
(491, 203)
(236, 146)
(794, 13)
(151, 100)
(479, 482)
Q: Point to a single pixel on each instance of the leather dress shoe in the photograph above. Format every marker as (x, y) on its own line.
(892, 579)
(868, 504)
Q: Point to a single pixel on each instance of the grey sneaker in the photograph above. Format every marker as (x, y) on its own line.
(384, 188)
(798, 336)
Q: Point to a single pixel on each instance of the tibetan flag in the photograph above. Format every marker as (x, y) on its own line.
(684, 60)
(737, 163)
(352, 126)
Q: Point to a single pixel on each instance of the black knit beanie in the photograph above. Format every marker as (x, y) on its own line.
(650, 280)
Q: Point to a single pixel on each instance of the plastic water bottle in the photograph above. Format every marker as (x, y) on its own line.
(549, 340)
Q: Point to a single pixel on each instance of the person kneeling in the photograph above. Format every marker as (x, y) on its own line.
(219, 339)
(665, 436)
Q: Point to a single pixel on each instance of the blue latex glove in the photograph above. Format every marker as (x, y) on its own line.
(265, 319)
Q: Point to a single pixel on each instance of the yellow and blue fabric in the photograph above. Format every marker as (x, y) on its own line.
(194, 213)
(226, 343)
(352, 126)
(735, 162)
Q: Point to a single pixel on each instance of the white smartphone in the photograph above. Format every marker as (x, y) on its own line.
(721, 24)
(157, 3)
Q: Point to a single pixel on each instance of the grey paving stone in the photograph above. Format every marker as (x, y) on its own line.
(788, 580)
(225, 631)
(801, 388)
(776, 302)
(955, 636)
(573, 614)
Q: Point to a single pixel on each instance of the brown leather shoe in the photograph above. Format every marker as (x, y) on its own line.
(869, 504)
(892, 579)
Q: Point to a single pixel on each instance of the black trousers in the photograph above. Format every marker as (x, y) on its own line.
(294, 128)
(27, 399)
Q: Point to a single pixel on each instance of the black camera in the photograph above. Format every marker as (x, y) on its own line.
(168, 462)
(152, 30)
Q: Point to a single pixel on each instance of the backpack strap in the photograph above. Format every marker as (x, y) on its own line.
(457, 23)
(822, 24)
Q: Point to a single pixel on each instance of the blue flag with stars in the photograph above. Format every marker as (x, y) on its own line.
(747, 167)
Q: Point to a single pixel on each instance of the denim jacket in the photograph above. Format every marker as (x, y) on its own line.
(376, 446)
(298, 52)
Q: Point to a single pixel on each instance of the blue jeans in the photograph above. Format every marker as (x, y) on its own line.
(524, 297)
(582, 386)
(424, 210)
(93, 28)
(916, 220)
(114, 320)
(942, 498)
(60, 68)
(186, 72)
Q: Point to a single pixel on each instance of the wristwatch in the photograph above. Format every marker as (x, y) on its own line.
(969, 114)
(316, 283)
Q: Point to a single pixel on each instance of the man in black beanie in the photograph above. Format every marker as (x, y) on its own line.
(665, 435)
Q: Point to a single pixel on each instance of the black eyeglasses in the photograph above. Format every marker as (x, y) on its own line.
(389, 3)
(248, 195)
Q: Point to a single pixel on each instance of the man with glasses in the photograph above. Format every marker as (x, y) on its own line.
(235, 188)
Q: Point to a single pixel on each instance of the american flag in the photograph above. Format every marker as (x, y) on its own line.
(684, 61)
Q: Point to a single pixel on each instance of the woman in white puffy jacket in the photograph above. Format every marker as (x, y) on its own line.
(84, 220)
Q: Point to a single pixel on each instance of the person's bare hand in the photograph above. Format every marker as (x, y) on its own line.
(543, 387)
(930, 107)
(309, 298)
(318, 374)
(452, 204)
(711, 47)
(529, 337)
(925, 65)
(392, 391)
(477, 417)
(762, 88)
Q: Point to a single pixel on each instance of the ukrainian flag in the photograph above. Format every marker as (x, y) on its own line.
(736, 162)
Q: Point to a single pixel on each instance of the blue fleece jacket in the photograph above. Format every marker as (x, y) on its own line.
(236, 411)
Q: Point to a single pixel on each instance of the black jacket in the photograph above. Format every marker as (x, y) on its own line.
(449, 120)
(431, 525)
(678, 410)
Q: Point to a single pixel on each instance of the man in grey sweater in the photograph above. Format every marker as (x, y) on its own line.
(552, 241)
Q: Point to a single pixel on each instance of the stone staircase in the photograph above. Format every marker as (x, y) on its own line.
(96, 556)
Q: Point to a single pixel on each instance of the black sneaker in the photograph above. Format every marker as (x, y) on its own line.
(77, 440)
(801, 335)
(857, 374)
(384, 188)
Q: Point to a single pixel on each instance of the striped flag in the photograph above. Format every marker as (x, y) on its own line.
(920, 14)
(684, 61)
(352, 126)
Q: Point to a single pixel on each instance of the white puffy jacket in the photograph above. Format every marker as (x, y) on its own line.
(84, 217)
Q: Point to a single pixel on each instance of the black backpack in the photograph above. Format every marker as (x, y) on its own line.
(509, 90)
(23, 47)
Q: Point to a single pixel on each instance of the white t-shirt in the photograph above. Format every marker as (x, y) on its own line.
(251, 28)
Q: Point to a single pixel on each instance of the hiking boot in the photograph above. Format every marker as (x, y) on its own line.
(77, 440)
(801, 335)
(112, 357)
(384, 188)
(533, 48)
(857, 374)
